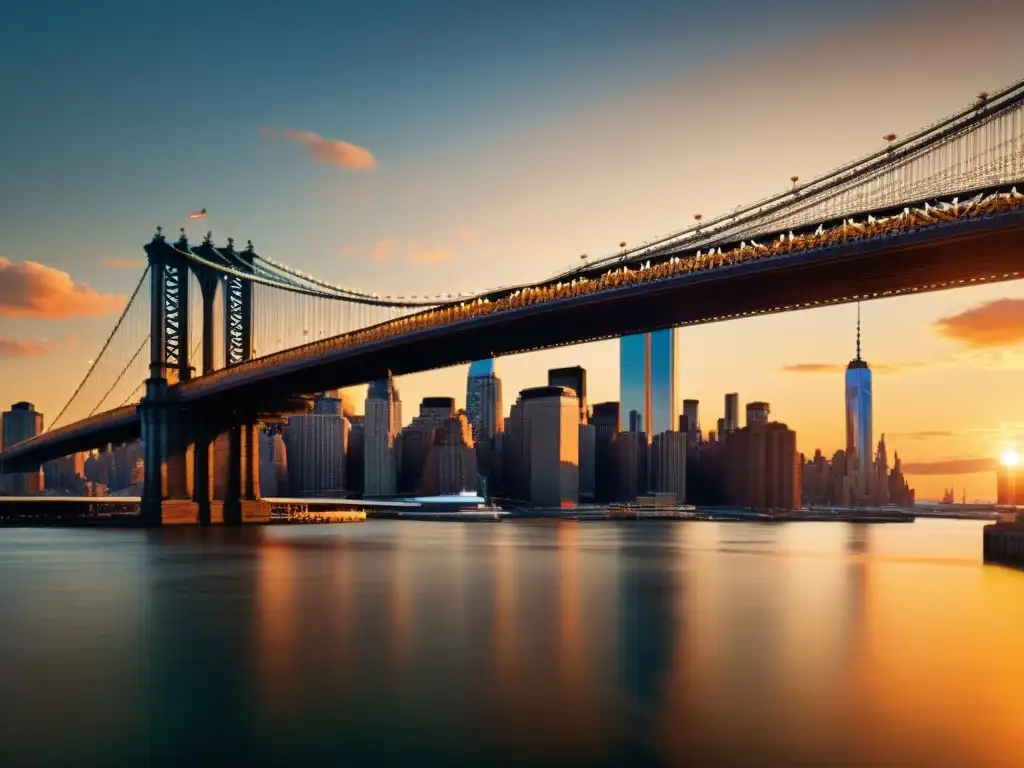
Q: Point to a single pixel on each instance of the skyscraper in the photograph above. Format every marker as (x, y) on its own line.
(450, 466)
(647, 382)
(574, 378)
(18, 424)
(417, 439)
(553, 423)
(858, 407)
(691, 420)
(606, 424)
(483, 401)
(315, 444)
(382, 422)
(732, 413)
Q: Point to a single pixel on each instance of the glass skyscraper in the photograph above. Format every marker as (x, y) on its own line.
(858, 408)
(647, 383)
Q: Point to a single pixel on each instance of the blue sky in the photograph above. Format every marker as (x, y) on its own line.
(508, 139)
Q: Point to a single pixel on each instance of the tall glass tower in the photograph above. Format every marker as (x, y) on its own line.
(647, 383)
(858, 407)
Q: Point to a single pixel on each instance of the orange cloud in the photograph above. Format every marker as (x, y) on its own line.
(839, 368)
(467, 236)
(16, 348)
(348, 250)
(28, 289)
(389, 249)
(327, 151)
(113, 263)
(384, 250)
(998, 323)
(950, 467)
(419, 254)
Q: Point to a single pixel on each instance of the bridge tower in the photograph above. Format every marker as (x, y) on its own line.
(177, 487)
(166, 493)
(242, 499)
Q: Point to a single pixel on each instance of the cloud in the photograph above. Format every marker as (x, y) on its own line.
(924, 434)
(327, 151)
(466, 236)
(16, 348)
(28, 289)
(420, 254)
(348, 250)
(384, 250)
(114, 263)
(998, 323)
(839, 368)
(390, 249)
(950, 467)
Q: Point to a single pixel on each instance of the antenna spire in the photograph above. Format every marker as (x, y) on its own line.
(858, 330)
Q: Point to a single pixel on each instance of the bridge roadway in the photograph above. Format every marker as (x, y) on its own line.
(929, 258)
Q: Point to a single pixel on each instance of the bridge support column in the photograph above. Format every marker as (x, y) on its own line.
(210, 510)
(243, 503)
(167, 481)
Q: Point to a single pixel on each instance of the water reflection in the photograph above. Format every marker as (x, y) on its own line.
(589, 644)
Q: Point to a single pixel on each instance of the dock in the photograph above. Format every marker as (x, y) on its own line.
(1004, 544)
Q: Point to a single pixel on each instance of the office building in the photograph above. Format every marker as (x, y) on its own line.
(668, 464)
(763, 469)
(66, 475)
(574, 378)
(382, 423)
(316, 443)
(690, 422)
(417, 439)
(552, 421)
(858, 407)
(483, 401)
(631, 465)
(1010, 484)
(274, 479)
(647, 382)
(605, 421)
(355, 461)
(732, 413)
(451, 464)
(16, 425)
(758, 413)
(515, 455)
(588, 462)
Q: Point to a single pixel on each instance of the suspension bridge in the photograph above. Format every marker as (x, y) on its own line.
(937, 209)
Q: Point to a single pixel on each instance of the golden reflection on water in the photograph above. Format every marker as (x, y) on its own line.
(845, 644)
(276, 624)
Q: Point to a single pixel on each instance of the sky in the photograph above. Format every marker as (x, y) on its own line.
(400, 147)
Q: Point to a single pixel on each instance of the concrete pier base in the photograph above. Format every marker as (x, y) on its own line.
(1004, 544)
(255, 512)
(179, 512)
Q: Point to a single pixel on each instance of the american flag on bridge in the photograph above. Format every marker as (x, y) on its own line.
(201, 214)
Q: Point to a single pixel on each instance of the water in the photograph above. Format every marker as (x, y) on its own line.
(403, 643)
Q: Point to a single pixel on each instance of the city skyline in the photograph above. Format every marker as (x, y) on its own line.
(965, 339)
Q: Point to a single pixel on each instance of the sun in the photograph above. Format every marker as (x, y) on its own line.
(1011, 458)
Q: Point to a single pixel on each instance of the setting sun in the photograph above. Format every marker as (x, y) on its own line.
(1011, 458)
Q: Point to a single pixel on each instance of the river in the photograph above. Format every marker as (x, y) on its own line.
(398, 643)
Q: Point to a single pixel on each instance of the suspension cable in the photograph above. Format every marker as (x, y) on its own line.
(120, 375)
(104, 349)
